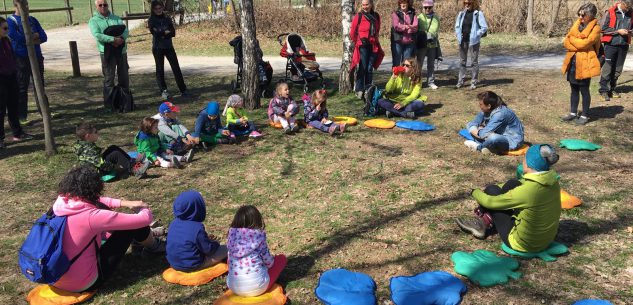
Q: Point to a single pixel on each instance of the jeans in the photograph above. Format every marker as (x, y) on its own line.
(502, 219)
(9, 104)
(431, 56)
(495, 142)
(159, 58)
(464, 51)
(614, 57)
(576, 90)
(365, 70)
(400, 52)
(24, 79)
(114, 66)
(416, 107)
(320, 126)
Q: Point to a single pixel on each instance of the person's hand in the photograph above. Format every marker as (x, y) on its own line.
(157, 163)
(118, 41)
(323, 120)
(135, 205)
(226, 132)
(397, 106)
(169, 152)
(623, 32)
(186, 140)
(318, 107)
(288, 114)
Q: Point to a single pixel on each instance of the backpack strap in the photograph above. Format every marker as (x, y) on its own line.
(94, 239)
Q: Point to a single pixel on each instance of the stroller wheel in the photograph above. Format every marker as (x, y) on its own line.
(234, 86)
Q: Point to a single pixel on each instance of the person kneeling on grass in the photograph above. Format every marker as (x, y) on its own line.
(172, 133)
(403, 96)
(209, 127)
(524, 212)
(496, 129)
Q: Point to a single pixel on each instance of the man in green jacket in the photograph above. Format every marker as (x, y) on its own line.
(524, 212)
(113, 49)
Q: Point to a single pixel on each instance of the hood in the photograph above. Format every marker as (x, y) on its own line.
(65, 206)
(143, 136)
(243, 241)
(213, 108)
(547, 178)
(189, 205)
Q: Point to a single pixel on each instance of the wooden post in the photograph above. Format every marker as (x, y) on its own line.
(111, 6)
(74, 58)
(129, 9)
(69, 13)
(144, 8)
(127, 25)
(90, 4)
(4, 4)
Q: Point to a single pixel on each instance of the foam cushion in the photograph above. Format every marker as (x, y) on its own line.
(274, 296)
(576, 144)
(380, 123)
(592, 302)
(132, 154)
(195, 278)
(278, 124)
(108, 177)
(428, 288)
(485, 268)
(415, 125)
(466, 134)
(568, 201)
(521, 151)
(49, 295)
(350, 121)
(344, 287)
(547, 255)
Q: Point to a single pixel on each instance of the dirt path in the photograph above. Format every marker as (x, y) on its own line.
(58, 58)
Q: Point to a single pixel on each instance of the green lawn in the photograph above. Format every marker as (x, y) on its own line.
(382, 202)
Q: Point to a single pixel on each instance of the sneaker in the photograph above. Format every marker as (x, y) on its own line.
(205, 145)
(614, 94)
(473, 86)
(433, 86)
(472, 225)
(359, 94)
(569, 117)
(140, 169)
(188, 157)
(341, 128)
(389, 114)
(165, 95)
(582, 120)
(459, 85)
(331, 130)
(410, 115)
(486, 151)
(159, 231)
(23, 137)
(175, 163)
(159, 247)
(287, 130)
(471, 144)
(294, 127)
(255, 134)
(605, 96)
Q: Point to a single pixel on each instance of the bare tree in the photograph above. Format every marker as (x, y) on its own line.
(250, 75)
(345, 79)
(529, 23)
(553, 17)
(38, 82)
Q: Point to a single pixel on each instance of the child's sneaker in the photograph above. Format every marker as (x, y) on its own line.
(165, 95)
(159, 247)
(294, 127)
(471, 144)
(410, 115)
(388, 114)
(189, 156)
(331, 130)
(255, 134)
(159, 231)
(24, 136)
(175, 163)
(140, 169)
(614, 94)
(341, 128)
(433, 86)
(485, 151)
(582, 120)
(205, 146)
(287, 130)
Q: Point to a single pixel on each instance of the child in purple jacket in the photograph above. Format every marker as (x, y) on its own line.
(316, 115)
(282, 109)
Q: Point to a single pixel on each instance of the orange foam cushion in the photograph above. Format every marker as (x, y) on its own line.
(350, 121)
(568, 201)
(278, 124)
(195, 278)
(521, 151)
(380, 123)
(49, 295)
(274, 296)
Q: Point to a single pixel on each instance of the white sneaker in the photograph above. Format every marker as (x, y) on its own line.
(486, 151)
(165, 95)
(359, 94)
(473, 86)
(433, 86)
(471, 144)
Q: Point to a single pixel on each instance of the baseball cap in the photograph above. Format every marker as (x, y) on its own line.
(168, 107)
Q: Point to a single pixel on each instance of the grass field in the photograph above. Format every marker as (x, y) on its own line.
(382, 202)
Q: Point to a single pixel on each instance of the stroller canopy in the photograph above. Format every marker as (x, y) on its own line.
(293, 43)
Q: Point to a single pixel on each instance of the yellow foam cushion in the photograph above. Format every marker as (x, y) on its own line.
(521, 151)
(349, 121)
(49, 295)
(195, 278)
(568, 201)
(380, 123)
(274, 296)
(278, 124)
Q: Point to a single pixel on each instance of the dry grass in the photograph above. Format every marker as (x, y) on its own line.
(376, 201)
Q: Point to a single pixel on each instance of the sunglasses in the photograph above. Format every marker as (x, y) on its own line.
(406, 65)
(103, 5)
(428, 7)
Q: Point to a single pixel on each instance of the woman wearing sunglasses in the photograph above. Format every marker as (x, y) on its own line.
(470, 26)
(429, 25)
(403, 92)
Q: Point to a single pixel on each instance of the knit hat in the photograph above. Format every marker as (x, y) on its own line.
(213, 108)
(168, 107)
(427, 3)
(540, 157)
(231, 102)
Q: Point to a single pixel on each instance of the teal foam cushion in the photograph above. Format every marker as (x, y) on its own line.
(415, 125)
(485, 268)
(428, 288)
(576, 144)
(549, 255)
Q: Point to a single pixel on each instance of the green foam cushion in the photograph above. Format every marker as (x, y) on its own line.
(485, 268)
(548, 255)
(576, 144)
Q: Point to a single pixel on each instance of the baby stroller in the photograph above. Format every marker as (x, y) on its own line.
(264, 67)
(301, 65)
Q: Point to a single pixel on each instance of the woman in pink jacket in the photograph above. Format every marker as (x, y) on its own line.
(404, 26)
(91, 219)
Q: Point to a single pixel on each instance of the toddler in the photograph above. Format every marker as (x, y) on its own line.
(237, 121)
(316, 115)
(174, 134)
(282, 109)
(149, 144)
(209, 127)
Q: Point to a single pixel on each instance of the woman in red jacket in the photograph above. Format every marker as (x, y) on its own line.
(367, 51)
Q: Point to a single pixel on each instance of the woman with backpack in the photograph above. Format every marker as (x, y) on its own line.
(368, 53)
(404, 26)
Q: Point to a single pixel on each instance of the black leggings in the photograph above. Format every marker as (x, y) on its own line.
(111, 253)
(119, 158)
(502, 219)
(576, 90)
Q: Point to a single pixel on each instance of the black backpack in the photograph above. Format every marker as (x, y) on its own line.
(120, 99)
(372, 95)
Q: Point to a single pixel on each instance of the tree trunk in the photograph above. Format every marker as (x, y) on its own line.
(38, 82)
(554, 16)
(250, 71)
(529, 23)
(345, 76)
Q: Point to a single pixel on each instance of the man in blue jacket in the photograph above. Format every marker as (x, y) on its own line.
(16, 33)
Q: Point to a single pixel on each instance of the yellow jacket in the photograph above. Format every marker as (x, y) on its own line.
(585, 46)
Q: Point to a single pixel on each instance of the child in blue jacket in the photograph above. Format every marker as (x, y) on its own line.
(209, 127)
(189, 247)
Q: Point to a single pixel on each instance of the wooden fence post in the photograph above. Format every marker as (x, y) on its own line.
(144, 8)
(129, 9)
(111, 6)
(4, 4)
(69, 12)
(127, 25)
(74, 58)
(90, 4)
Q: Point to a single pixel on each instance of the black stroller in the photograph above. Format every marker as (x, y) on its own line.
(264, 67)
(301, 65)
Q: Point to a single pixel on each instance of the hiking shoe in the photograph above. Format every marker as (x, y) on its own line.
(175, 163)
(188, 157)
(359, 94)
(582, 120)
(331, 130)
(605, 96)
(473, 86)
(410, 115)
(433, 86)
(614, 94)
(159, 231)
(471, 144)
(23, 137)
(294, 127)
(255, 134)
(159, 247)
(140, 169)
(205, 145)
(486, 151)
(569, 117)
(459, 85)
(165, 95)
(472, 225)
(287, 130)
(389, 114)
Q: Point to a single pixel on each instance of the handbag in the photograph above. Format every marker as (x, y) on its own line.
(421, 41)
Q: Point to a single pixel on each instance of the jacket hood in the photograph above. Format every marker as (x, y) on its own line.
(244, 241)
(65, 206)
(189, 205)
(142, 136)
(213, 108)
(547, 178)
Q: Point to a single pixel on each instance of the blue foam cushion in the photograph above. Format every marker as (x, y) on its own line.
(344, 287)
(132, 154)
(466, 134)
(428, 288)
(415, 125)
(592, 302)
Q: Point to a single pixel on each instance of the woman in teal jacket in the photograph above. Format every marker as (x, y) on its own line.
(403, 96)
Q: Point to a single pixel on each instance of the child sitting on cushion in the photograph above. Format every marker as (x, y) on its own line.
(316, 115)
(149, 145)
(403, 92)
(171, 132)
(525, 212)
(496, 129)
(113, 159)
(282, 109)
(237, 121)
(189, 247)
(209, 127)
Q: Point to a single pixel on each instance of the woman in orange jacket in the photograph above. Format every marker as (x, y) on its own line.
(581, 63)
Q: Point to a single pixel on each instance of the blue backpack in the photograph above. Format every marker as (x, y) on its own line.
(372, 95)
(41, 257)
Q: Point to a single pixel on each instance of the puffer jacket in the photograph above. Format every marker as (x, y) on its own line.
(584, 45)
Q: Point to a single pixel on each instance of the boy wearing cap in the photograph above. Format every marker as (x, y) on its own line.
(525, 212)
(173, 134)
(209, 127)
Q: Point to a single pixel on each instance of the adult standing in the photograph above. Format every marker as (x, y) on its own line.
(429, 25)
(616, 36)
(368, 53)
(18, 39)
(8, 87)
(581, 62)
(470, 26)
(404, 26)
(163, 30)
(110, 33)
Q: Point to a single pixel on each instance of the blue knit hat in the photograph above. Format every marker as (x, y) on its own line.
(539, 157)
(213, 108)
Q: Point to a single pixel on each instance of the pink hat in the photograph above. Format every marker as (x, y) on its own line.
(427, 3)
